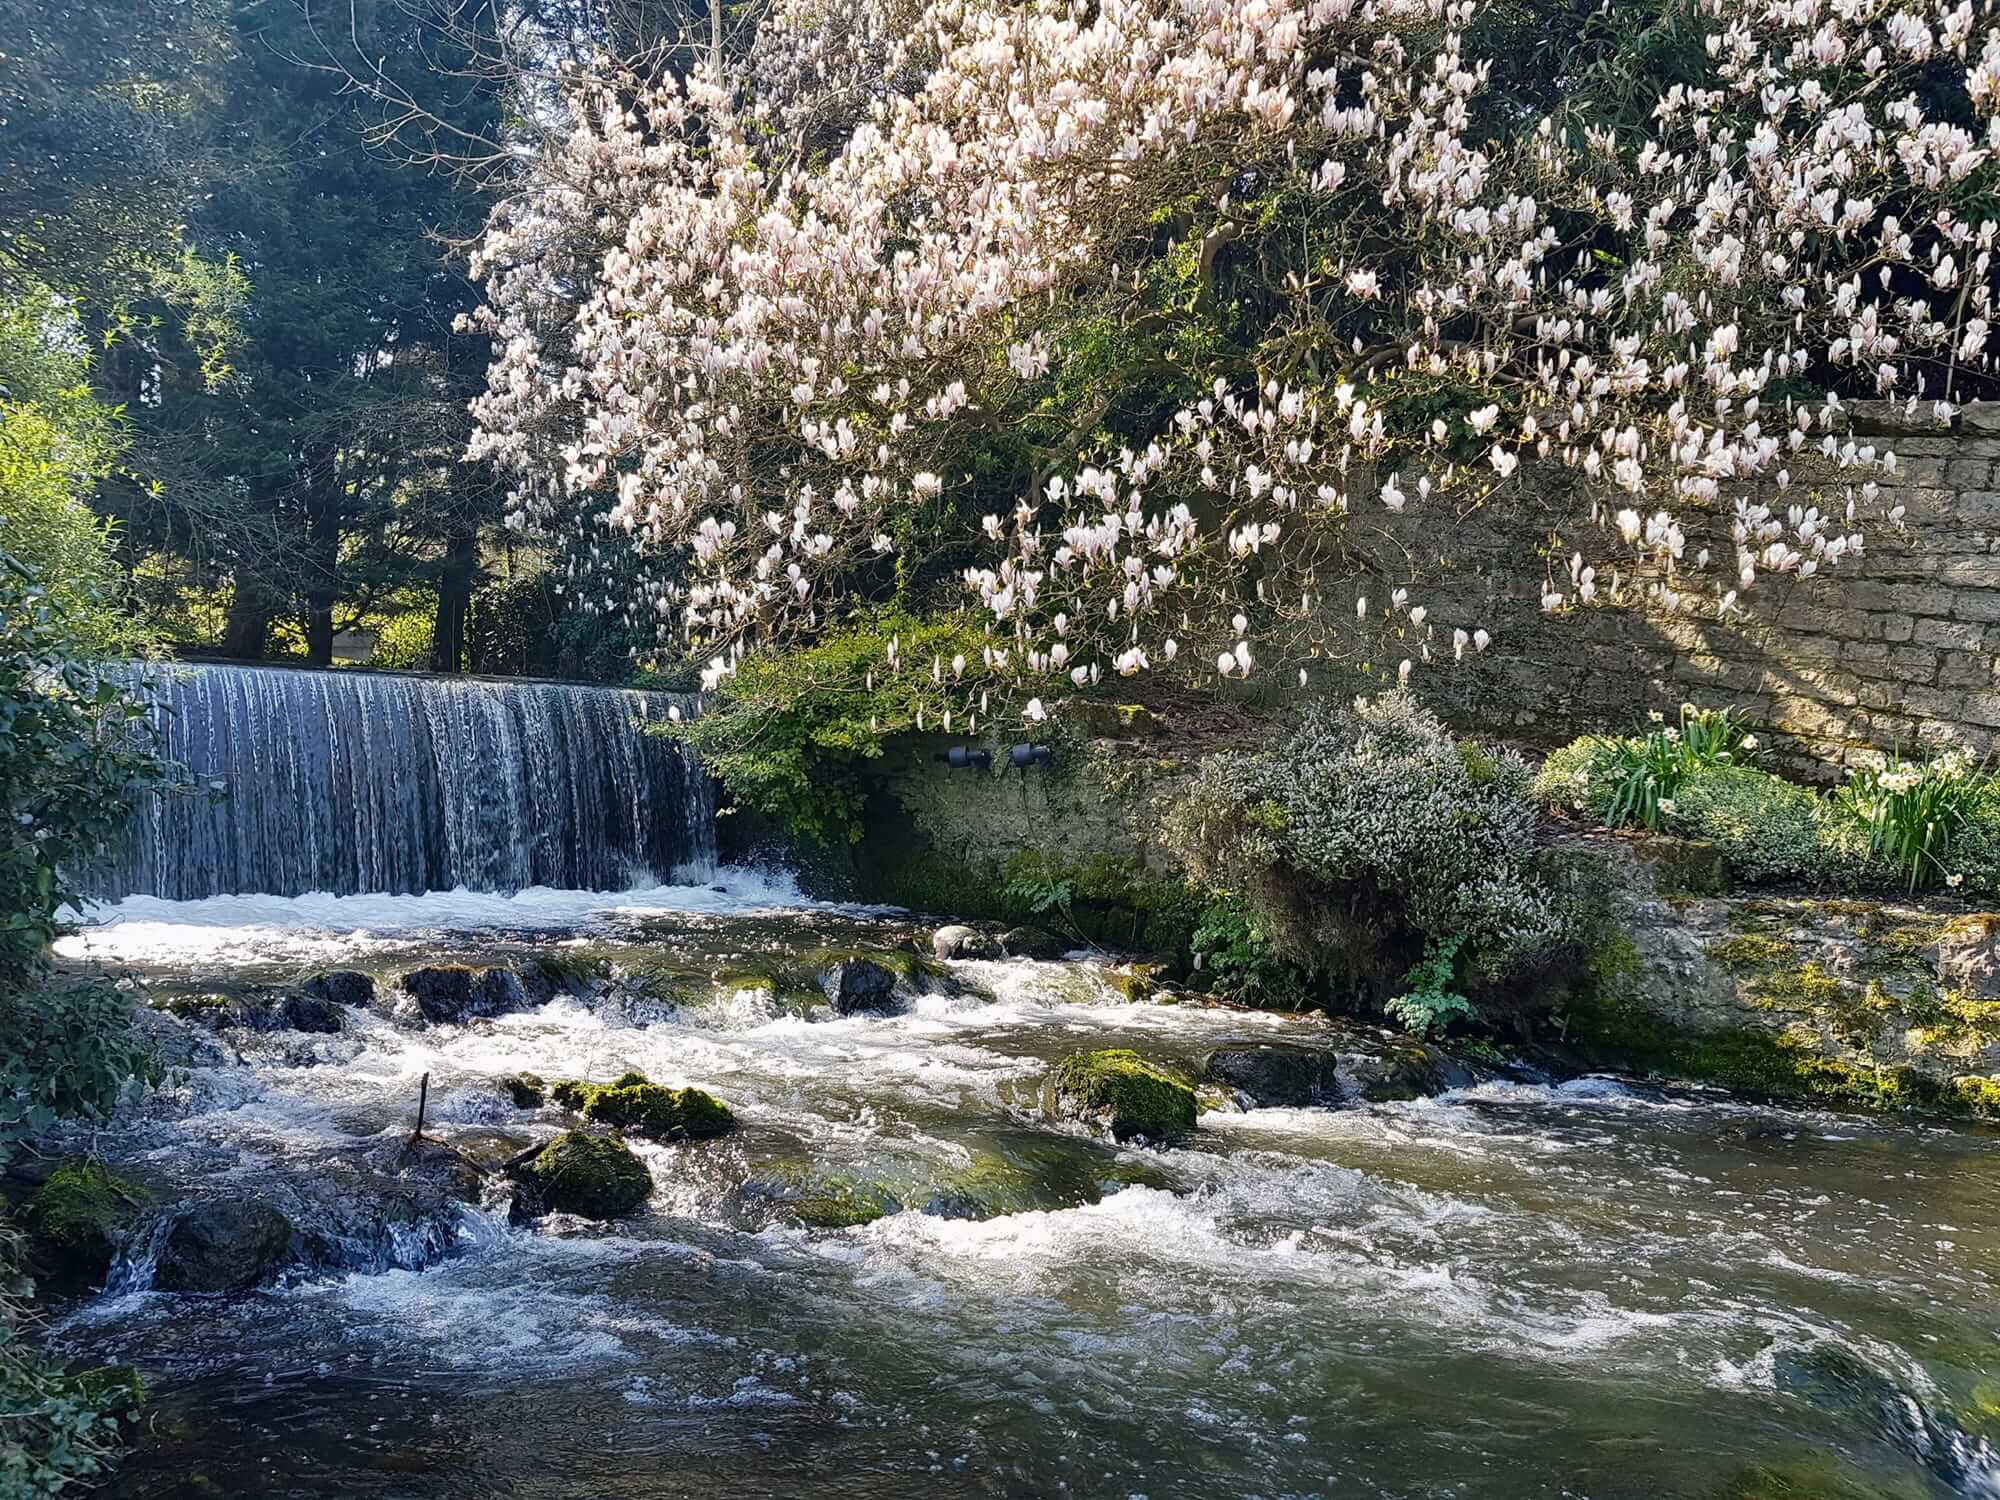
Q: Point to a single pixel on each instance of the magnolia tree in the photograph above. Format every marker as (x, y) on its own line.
(1157, 301)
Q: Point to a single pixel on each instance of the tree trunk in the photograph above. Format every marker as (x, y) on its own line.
(454, 602)
(321, 584)
(246, 629)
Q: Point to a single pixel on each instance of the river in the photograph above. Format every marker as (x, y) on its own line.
(1594, 1288)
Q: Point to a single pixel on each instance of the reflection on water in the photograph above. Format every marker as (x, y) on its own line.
(1591, 1289)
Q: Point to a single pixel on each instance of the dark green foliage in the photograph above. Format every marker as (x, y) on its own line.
(74, 753)
(792, 733)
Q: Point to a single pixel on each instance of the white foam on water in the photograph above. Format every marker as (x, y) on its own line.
(318, 927)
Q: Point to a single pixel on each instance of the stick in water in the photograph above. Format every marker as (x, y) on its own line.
(423, 1098)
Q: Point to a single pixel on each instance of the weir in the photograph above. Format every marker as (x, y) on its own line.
(355, 782)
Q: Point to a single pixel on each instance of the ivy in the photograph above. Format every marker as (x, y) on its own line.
(791, 733)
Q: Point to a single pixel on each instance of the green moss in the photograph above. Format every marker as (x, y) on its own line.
(1750, 951)
(1136, 982)
(1123, 1094)
(75, 1219)
(596, 1176)
(1980, 1096)
(1808, 987)
(633, 1104)
(819, 1202)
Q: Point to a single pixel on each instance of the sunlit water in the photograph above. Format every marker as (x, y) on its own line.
(1589, 1289)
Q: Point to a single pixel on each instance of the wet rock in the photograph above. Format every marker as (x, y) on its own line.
(1276, 1075)
(340, 987)
(1032, 942)
(224, 1245)
(257, 1009)
(526, 1090)
(1968, 956)
(1838, 1382)
(315, 1013)
(1403, 1068)
(76, 1221)
(959, 941)
(439, 1166)
(858, 984)
(634, 1104)
(1123, 1095)
(594, 1176)
(453, 993)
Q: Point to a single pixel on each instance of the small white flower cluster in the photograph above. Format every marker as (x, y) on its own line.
(750, 318)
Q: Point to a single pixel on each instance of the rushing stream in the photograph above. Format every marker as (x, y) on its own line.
(1587, 1288)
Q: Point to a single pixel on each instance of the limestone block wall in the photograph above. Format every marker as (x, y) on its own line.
(1899, 647)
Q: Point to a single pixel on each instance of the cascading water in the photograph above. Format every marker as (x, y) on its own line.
(353, 782)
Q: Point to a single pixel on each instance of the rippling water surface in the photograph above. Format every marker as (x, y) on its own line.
(1592, 1289)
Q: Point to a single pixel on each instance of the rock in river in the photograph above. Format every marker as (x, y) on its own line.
(595, 1176)
(960, 941)
(1276, 1075)
(223, 1245)
(858, 984)
(1123, 1095)
(453, 993)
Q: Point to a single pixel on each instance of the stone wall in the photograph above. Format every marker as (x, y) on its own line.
(1895, 648)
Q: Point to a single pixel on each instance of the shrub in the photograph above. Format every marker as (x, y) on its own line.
(1368, 834)
(1431, 1003)
(1768, 828)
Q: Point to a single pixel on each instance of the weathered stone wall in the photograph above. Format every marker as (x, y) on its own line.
(1895, 648)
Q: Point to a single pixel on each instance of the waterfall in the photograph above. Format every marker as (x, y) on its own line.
(353, 782)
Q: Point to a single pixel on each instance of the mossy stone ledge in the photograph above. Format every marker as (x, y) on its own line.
(634, 1104)
(1122, 1094)
(593, 1176)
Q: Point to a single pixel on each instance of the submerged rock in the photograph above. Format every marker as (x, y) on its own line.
(813, 1200)
(1276, 1075)
(76, 1221)
(342, 987)
(224, 1245)
(960, 941)
(594, 1176)
(858, 984)
(1032, 942)
(454, 993)
(1119, 1092)
(634, 1104)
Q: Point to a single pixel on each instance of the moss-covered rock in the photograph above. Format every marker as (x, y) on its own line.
(595, 1176)
(75, 1221)
(526, 1090)
(633, 1103)
(801, 1195)
(1119, 1092)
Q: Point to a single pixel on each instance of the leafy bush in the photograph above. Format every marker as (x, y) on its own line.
(1768, 828)
(75, 753)
(1370, 833)
(1915, 814)
(789, 732)
(1431, 1003)
(1232, 948)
